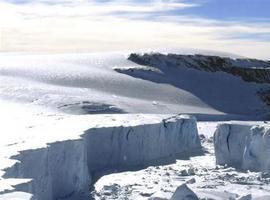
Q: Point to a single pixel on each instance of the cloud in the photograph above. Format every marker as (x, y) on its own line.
(97, 7)
(90, 26)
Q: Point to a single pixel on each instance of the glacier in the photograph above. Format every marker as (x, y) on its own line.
(112, 83)
(76, 122)
(66, 169)
(243, 145)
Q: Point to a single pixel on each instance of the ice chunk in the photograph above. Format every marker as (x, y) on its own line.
(257, 151)
(230, 142)
(184, 193)
(243, 146)
(246, 197)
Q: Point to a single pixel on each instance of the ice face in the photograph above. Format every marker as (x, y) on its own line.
(229, 143)
(66, 169)
(257, 150)
(243, 146)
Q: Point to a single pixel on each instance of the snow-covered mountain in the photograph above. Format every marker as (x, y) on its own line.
(251, 70)
(91, 84)
(59, 134)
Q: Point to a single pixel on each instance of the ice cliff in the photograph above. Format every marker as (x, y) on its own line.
(250, 70)
(66, 169)
(243, 146)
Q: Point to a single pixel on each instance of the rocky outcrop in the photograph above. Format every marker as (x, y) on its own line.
(250, 70)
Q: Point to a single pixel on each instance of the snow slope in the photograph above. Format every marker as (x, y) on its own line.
(92, 84)
(215, 80)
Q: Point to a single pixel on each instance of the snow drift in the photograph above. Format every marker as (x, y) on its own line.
(243, 146)
(66, 169)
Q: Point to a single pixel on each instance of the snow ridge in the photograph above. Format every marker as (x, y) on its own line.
(250, 70)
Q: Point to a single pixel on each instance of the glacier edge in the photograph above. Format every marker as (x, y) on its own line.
(66, 170)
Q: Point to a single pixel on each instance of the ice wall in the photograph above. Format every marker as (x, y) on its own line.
(65, 170)
(57, 172)
(257, 151)
(230, 142)
(243, 146)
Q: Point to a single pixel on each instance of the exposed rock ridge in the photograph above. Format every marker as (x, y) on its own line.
(250, 70)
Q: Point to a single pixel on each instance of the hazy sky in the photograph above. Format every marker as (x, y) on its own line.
(236, 26)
